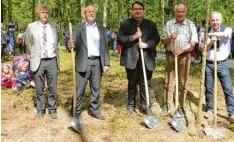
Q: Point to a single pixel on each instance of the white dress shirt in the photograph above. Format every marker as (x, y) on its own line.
(224, 47)
(50, 41)
(93, 40)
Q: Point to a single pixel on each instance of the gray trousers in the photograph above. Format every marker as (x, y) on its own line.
(48, 68)
(93, 75)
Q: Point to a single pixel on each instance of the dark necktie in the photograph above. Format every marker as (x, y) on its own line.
(44, 44)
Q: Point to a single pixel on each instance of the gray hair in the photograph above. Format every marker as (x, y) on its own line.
(179, 5)
(42, 6)
(218, 13)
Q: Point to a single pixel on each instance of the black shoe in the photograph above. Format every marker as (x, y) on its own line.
(130, 111)
(148, 112)
(53, 115)
(98, 116)
(40, 114)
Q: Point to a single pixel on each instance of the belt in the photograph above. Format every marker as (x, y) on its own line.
(218, 62)
(47, 58)
(94, 57)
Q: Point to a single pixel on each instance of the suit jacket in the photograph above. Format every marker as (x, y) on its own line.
(81, 48)
(34, 46)
(130, 51)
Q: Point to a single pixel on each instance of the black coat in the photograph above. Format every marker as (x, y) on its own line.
(130, 51)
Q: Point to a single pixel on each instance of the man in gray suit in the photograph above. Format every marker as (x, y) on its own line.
(42, 43)
(92, 58)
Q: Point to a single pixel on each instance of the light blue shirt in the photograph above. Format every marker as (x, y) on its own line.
(93, 40)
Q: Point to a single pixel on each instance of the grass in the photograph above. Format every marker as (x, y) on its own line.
(114, 93)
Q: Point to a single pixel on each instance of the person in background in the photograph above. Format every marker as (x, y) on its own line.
(19, 40)
(4, 41)
(66, 37)
(24, 48)
(11, 43)
(232, 48)
(128, 37)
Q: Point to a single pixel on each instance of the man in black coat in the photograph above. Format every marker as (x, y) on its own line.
(128, 37)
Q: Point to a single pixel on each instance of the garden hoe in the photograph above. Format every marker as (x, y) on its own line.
(77, 120)
(178, 121)
(213, 132)
(150, 121)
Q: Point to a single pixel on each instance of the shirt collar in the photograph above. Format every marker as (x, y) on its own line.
(184, 22)
(87, 24)
(216, 31)
(41, 24)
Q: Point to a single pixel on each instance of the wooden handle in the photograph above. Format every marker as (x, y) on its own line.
(73, 69)
(215, 83)
(144, 73)
(176, 79)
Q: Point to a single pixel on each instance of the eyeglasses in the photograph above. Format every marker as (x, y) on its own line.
(138, 9)
(94, 12)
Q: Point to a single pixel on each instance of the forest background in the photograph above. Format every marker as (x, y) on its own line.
(110, 12)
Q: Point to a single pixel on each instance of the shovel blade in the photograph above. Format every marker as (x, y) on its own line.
(78, 124)
(151, 121)
(179, 123)
(215, 133)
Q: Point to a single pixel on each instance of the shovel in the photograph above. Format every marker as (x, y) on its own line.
(178, 121)
(77, 121)
(150, 121)
(215, 132)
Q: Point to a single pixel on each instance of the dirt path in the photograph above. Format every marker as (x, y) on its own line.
(19, 122)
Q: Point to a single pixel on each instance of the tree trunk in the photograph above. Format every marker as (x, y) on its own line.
(105, 13)
(202, 81)
(120, 7)
(163, 3)
(2, 12)
(82, 4)
(33, 10)
(186, 2)
(9, 10)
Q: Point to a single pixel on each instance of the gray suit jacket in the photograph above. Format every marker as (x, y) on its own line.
(33, 43)
(80, 40)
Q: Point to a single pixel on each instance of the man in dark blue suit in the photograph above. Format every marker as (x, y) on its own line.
(92, 59)
(128, 37)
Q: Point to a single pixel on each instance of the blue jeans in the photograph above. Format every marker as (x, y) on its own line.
(226, 82)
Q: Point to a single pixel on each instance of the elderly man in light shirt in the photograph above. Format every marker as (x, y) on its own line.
(183, 32)
(222, 35)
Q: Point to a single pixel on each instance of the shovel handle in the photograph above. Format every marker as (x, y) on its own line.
(73, 69)
(215, 83)
(176, 78)
(144, 74)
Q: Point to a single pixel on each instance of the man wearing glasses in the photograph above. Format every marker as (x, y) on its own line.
(128, 37)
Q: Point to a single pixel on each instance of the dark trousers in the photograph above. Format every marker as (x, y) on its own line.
(135, 78)
(93, 74)
(48, 68)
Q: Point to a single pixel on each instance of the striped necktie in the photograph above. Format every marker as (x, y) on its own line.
(44, 42)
